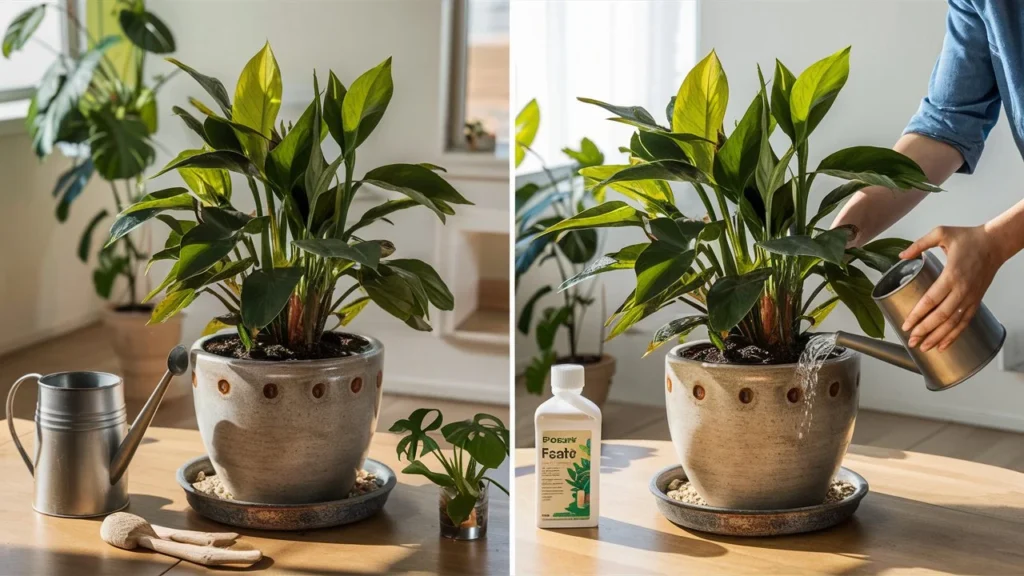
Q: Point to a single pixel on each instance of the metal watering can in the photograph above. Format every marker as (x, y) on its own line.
(83, 443)
(896, 293)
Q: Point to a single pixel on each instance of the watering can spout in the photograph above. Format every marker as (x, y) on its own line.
(177, 364)
(885, 351)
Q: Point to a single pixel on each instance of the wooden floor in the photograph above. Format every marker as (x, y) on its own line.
(987, 446)
(88, 349)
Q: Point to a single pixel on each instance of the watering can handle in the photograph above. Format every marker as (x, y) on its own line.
(10, 421)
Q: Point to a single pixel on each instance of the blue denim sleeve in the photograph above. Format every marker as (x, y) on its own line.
(963, 100)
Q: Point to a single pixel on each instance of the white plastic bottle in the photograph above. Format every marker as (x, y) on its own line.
(568, 436)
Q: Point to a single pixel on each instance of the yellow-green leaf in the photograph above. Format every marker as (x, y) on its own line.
(365, 103)
(527, 123)
(700, 108)
(257, 102)
(815, 90)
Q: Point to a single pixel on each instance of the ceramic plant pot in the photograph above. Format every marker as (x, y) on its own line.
(750, 437)
(290, 432)
(142, 350)
(598, 378)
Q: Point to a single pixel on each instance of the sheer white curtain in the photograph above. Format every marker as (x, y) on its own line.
(626, 52)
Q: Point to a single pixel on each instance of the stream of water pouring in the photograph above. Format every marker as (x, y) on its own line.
(818, 349)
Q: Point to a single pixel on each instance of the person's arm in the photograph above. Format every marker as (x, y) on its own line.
(947, 134)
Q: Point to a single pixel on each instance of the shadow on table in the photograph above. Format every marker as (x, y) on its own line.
(20, 560)
(615, 457)
(889, 532)
(630, 535)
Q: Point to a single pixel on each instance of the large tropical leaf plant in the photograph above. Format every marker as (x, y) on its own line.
(742, 265)
(103, 116)
(557, 195)
(276, 269)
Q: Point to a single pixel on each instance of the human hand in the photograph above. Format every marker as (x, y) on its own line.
(973, 256)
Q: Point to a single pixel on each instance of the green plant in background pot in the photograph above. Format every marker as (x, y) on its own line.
(742, 267)
(103, 116)
(276, 271)
(540, 203)
(478, 446)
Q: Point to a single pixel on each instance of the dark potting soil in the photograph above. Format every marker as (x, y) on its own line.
(147, 308)
(579, 359)
(332, 345)
(739, 350)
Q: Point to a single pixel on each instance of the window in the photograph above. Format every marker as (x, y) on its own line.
(21, 73)
(625, 52)
(479, 93)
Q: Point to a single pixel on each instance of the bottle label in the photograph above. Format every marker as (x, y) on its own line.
(564, 471)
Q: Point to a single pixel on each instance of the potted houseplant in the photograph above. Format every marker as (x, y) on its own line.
(747, 432)
(478, 445)
(556, 196)
(286, 406)
(102, 114)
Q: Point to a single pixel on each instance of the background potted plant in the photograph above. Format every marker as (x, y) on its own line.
(286, 407)
(478, 445)
(552, 198)
(103, 115)
(746, 431)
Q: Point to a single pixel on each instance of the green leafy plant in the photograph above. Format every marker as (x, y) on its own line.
(103, 118)
(742, 266)
(540, 205)
(276, 270)
(478, 445)
(579, 481)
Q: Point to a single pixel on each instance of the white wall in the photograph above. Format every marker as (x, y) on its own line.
(895, 43)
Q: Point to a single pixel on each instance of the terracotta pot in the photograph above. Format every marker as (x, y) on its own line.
(597, 377)
(292, 432)
(748, 438)
(142, 350)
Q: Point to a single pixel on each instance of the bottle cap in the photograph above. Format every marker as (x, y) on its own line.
(567, 377)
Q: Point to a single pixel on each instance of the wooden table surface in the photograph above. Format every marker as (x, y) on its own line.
(402, 539)
(923, 514)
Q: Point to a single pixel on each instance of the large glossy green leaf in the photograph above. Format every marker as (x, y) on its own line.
(365, 103)
(257, 102)
(527, 123)
(881, 254)
(333, 102)
(417, 442)
(148, 206)
(287, 162)
(223, 159)
(265, 294)
(782, 86)
(201, 248)
(526, 314)
(678, 233)
(484, 437)
(672, 170)
(829, 246)
(22, 28)
(419, 183)
(635, 113)
(675, 329)
(221, 134)
(437, 291)
(659, 266)
(213, 86)
(70, 186)
(731, 298)
(736, 160)
(655, 196)
(85, 242)
(833, 199)
(417, 467)
(624, 259)
(120, 146)
(365, 253)
(381, 211)
(391, 292)
(815, 90)
(578, 246)
(854, 289)
(700, 108)
(608, 215)
(147, 31)
(874, 160)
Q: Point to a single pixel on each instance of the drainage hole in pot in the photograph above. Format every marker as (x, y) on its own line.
(833, 390)
(698, 392)
(319, 389)
(746, 395)
(357, 385)
(223, 386)
(794, 395)
(270, 391)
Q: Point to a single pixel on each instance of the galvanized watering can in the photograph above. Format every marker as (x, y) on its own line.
(83, 443)
(896, 293)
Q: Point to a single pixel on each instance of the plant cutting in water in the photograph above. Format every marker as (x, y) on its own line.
(276, 270)
(99, 110)
(743, 265)
(478, 445)
(540, 205)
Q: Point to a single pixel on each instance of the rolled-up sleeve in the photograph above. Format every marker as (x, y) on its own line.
(963, 101)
